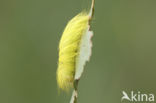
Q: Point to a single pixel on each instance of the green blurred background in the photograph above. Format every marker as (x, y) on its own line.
(123, 57)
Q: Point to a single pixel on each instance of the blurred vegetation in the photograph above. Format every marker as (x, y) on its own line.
(124, 50)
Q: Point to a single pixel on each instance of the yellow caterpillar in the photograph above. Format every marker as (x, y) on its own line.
(69, 48)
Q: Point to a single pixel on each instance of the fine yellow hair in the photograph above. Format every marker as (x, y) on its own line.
(69, 49)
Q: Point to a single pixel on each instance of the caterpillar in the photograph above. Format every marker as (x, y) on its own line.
(70, 48)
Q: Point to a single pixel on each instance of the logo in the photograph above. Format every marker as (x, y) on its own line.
(137, 97)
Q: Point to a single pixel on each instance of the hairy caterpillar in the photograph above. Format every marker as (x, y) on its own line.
(71, 48)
